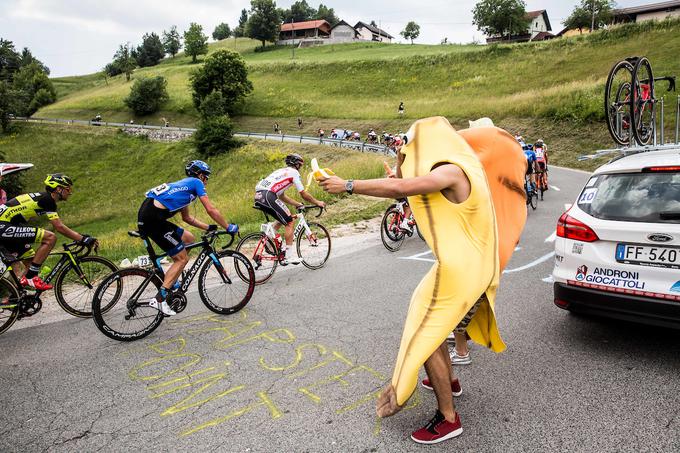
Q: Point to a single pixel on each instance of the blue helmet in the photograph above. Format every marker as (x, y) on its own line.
(197, 167)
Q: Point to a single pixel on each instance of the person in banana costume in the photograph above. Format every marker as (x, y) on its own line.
(453, 199)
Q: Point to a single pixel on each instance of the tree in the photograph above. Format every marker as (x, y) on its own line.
(150, 52)
(27, 58)
(599, 11)
(327, 14)
(172, 42)
(124, 60)
(300, 11)
(195, 42)
(224, 71)
(264, 23)
(34, 87)
(9, 104)
(412, 31)
(579, 19)
(240, 30)
(501, 18)
(222, 31)
(147, 95)
(10, 60)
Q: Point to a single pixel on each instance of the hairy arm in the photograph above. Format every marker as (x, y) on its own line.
(66, 231)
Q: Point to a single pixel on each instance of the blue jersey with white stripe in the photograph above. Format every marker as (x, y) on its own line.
(176, 195)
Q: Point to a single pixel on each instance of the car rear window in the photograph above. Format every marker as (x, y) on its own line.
(633, 197)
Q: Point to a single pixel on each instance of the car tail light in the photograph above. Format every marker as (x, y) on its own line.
(667, 168)
(561, 303)
(570, 228)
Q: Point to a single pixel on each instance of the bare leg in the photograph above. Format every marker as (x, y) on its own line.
(289, 234)
(179, 262)
(438, 367)
(461, 343)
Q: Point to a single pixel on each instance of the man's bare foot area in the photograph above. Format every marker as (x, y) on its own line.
(387, 402)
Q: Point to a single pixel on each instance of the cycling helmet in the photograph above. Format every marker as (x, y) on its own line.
(294, 160)
(197, 167)
(57, 180)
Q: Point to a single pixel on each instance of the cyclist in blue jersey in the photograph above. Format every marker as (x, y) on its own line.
(530, 154)
(162, 203)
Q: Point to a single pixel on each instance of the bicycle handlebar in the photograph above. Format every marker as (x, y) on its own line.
(210, 236)
(77, 248)
(304, 208)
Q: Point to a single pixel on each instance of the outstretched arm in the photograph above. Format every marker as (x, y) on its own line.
(446, 176)
(66, 231)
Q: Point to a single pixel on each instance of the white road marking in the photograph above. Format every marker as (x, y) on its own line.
(555, 188)
(552, 237)
(548, 279)
(530, 265)
(419, 257)
(518, 248)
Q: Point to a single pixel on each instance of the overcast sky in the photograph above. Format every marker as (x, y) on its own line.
(80, 36)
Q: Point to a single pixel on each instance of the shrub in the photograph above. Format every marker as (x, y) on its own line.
(214, 136)
(147, 95)
(212, 105)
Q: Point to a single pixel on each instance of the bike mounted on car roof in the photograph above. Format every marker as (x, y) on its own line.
(633, 112)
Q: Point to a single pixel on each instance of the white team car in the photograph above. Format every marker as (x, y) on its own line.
(617, 251)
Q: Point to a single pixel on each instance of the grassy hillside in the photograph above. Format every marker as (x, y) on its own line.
(559, 79)
(112, 172)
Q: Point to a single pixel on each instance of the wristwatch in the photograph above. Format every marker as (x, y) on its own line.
(349, 186)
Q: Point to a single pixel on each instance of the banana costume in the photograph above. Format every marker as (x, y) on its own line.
(464, 240)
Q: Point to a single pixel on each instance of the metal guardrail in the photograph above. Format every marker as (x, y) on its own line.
(348, 144)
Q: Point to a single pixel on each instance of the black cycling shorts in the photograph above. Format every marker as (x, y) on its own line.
(268, 202)
(541, 165)
(530, 169)
(17, 239)
(153, 223)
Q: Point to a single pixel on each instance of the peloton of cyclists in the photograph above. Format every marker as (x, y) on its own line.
(17, 237)
(162, 203)
(270, 197)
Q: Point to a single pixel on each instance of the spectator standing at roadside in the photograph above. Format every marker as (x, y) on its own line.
(321, 133)
(299, 122)
(276, 128)
(401, 108)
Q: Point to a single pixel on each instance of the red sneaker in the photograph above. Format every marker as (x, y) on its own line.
(456, 389)
(438, 430)
(35, 283)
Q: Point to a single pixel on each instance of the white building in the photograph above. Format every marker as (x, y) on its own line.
(652, 11)
(369, 32)
(343, 32)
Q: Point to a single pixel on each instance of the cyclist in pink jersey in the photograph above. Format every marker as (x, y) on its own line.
(270, 197)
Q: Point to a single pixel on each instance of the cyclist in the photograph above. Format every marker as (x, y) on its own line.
(531, 164)
(270, 197)
(394, 172)
(163, 202)
(541, 151)
(17, 237)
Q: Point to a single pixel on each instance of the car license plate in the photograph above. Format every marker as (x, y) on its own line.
(648, 255)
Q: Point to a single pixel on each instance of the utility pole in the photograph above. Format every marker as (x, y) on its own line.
(292, 26)
(592, 22)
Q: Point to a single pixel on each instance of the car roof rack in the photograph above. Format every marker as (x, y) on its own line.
(659, 143)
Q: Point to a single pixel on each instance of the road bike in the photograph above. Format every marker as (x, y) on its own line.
(76, 276)
(630, 102)
(532, 194)
(263, 248)
(391, 232)
(127, 316)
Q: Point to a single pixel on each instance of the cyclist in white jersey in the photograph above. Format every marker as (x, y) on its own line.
(270, 197)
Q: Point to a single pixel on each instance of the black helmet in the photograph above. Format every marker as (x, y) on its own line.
(197, 167)
(294, 160)
(57, 180)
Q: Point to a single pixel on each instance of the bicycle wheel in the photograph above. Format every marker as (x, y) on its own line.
(74, 295)
(221, 290)
(314, 249)
(643, 102)
(392, 237)
(533, 199)
(420, 234)
(120, 306)
(616, 102)
(9, 304)
(262, 254)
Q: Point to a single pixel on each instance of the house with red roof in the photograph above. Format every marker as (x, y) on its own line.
(294, 32)
(539, 29)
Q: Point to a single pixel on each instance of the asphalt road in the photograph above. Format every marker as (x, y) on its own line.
(298, 369)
